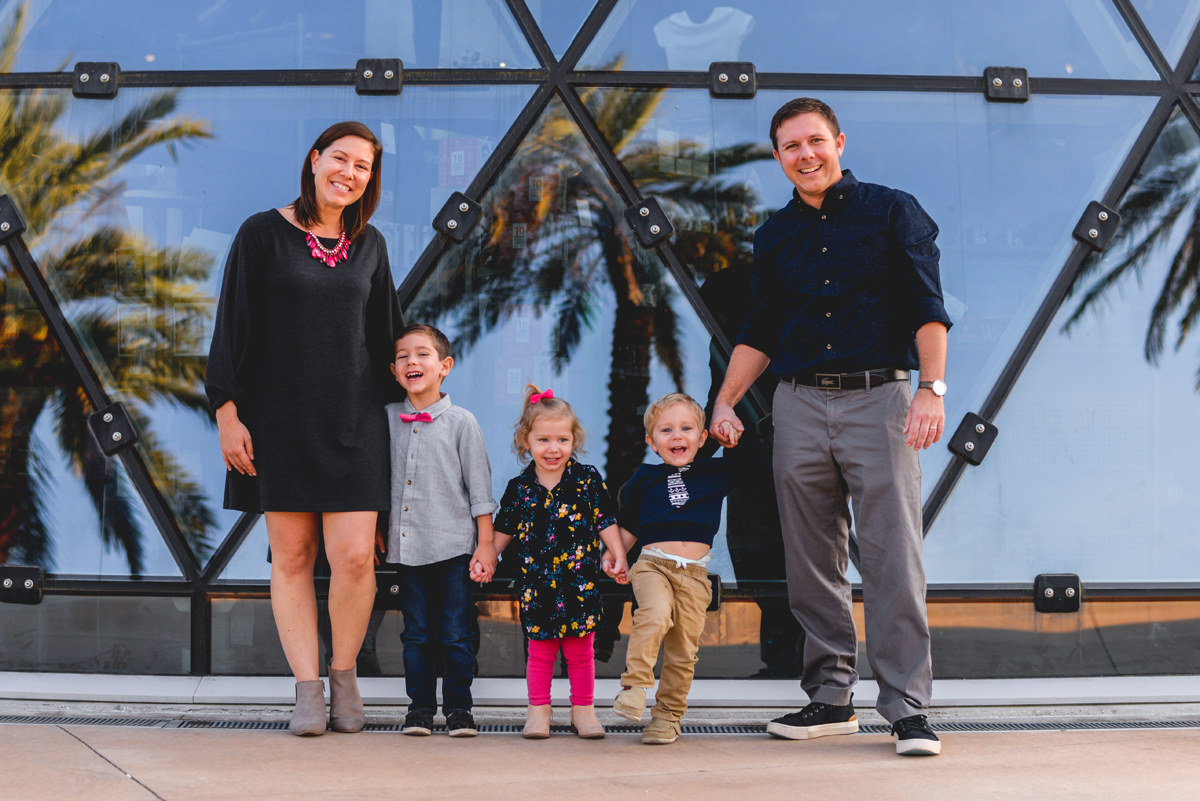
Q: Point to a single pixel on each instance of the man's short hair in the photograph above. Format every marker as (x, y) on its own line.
(440, 341)
(655, 410)
(803, 105)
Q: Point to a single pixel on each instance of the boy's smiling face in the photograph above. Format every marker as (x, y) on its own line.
(417, 367)
(677, 435)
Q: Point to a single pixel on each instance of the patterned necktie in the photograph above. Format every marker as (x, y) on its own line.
(677, 492)
(419, 417)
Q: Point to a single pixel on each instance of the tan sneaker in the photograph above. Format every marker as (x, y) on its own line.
(631, 703)
(661, 731)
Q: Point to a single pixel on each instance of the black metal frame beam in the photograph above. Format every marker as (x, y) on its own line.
(559, 77)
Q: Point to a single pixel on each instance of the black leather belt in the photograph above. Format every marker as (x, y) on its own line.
(845, 380)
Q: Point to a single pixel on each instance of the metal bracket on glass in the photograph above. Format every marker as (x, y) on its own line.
(1057, 592)
(1097, 226)
(457, 217)
(387, 588)
(649, 222)
(973, 438)
(732, 79)
(96, 79)
(11, 224)
(20, 584)
(1006, 84)
(379, 76)
(113, 429)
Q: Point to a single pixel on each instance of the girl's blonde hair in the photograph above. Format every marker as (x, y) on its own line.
(545, 407)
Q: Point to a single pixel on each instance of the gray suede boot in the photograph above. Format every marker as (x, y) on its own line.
(346, 713)
(308, 718)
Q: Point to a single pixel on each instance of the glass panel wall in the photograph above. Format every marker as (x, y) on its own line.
(550, 289)
(1005, 185)
(64, 505)
(98, 634)
(1094, 471)
(1171, 22)
(559, 20)
(133, 234)
(266, 34)
(1055, 38)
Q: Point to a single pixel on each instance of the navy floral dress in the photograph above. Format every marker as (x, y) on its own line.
(556, 541)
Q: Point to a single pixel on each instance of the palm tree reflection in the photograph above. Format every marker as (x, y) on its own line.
(552, 237)
(1163, 196)
(65, 190)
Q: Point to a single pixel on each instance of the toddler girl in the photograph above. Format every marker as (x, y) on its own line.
(558, 510)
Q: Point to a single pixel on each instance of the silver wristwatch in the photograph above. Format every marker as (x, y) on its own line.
(938, 387)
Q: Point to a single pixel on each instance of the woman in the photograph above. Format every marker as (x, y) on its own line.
(298, 378)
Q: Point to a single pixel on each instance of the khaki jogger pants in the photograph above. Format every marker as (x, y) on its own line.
(671, 604)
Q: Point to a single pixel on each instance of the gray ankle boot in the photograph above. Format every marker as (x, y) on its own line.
(346, 713)
(308, 718)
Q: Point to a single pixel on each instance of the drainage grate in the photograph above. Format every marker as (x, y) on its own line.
(688, 728)
(57, 721)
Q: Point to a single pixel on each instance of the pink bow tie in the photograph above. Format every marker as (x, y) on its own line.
(419, 417)
(537, 396)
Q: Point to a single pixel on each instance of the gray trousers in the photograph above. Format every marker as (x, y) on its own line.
(832, 446)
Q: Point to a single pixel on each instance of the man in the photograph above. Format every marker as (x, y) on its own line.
(846, 301)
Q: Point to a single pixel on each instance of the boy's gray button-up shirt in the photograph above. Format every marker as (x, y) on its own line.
(441, 481)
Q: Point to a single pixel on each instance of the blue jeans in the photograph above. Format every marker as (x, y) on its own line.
(436, 603)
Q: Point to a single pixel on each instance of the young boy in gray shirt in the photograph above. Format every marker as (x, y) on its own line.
(439, 530)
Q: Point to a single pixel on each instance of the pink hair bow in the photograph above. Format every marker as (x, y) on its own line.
(537, 396)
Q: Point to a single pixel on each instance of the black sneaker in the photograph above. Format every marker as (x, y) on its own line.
(914, 737)
(459, 723)
(418, 722)
(815, 720)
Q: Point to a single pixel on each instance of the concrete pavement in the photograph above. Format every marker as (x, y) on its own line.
(98, 762)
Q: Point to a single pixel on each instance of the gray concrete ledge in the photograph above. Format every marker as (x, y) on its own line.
(766, 693)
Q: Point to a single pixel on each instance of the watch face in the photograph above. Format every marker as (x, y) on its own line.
(939, 388)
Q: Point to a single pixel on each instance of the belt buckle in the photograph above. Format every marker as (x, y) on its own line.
(829, 380)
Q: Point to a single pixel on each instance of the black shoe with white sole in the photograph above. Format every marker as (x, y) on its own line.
(460, 723)
(418, 723)
(815, 720)
(914, 737)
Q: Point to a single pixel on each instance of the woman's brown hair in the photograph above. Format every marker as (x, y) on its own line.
(356, 215)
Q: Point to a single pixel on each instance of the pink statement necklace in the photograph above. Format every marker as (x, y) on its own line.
(331, 256)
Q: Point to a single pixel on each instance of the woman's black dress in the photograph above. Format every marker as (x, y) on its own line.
(303, 350)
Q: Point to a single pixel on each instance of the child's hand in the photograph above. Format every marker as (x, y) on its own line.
(483, 563)
(616, 567)
(380, 545)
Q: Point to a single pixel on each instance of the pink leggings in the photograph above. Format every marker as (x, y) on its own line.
(581, 668)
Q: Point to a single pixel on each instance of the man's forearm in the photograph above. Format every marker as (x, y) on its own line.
(745, 366)
(931, 347)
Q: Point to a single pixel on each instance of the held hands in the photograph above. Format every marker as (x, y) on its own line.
(726, 427)
(483, 563)
(615, 567)
(236, 448)
(926, 420)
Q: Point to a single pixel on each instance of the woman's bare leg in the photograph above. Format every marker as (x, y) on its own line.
(293, 537)
(350, 546)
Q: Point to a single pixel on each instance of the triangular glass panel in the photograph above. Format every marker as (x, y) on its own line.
(910, 37)
(249, 562)
(1171, 22)
(560, 20)
(301, 34)
(1005, 184)
(138, 274)
(549, 288)
(1094, 470)
(64, 505)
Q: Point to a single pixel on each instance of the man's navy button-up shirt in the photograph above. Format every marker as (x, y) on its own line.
(845, 287)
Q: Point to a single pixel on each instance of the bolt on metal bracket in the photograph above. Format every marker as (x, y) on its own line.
(732, 79)
(1006, 84)
(649, 222)
(1097, 226)
(96, 79)
(457, 217)
(379, 76)
(973, 438)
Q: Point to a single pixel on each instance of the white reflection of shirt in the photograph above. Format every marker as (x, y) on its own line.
(693, 46)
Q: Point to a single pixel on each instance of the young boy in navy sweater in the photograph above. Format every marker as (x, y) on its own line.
(674, 510)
